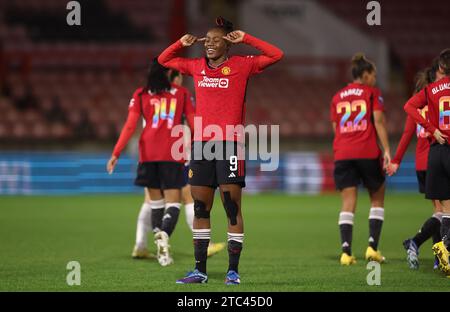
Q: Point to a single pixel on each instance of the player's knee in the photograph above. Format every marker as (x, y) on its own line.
(231, 208)
(200, 210)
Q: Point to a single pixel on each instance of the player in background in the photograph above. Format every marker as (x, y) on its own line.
(357, 116)
(220, 84)
(162, 106)
(437, 96)
(144, 226)
(432, 226)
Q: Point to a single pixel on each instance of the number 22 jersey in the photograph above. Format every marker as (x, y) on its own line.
(352, 110)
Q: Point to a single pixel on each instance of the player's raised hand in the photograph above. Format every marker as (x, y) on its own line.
(111, 164)
(392, 169)
(188, 40)
(440, 137)
(235, 36)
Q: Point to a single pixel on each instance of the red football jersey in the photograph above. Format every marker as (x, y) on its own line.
(422, 146)
(437, 96)
(220, 92)
(352, 110)
(161, 113)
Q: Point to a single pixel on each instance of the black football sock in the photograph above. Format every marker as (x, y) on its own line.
(157, 214)
(235, 241)
(376, 218)
(346, 229)
(445, 228)
(430, 227)
(437, 236)
(437, 231)
(170, 218)
(201, 243)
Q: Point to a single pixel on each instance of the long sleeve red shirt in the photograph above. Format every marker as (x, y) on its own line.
(220, 92)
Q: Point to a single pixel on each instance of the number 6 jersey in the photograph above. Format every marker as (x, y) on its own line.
(437, 96)
(352, 110)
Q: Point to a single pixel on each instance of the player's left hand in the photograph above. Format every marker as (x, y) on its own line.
(386, 160)
(111, 164)
(235, 36)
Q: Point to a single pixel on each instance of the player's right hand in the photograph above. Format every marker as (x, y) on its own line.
(392, 169)
(188, 40)
(440, 137)
(111, 164)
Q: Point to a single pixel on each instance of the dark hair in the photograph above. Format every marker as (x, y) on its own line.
(157, 80)
(431, 71)
(224, 24)
(360, 65)
(422, 79)
(444, 61)
(426, 76)
(173, 74)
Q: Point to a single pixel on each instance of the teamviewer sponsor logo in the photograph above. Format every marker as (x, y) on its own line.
(208, 82)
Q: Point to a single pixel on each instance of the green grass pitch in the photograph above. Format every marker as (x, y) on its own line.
(291, 244)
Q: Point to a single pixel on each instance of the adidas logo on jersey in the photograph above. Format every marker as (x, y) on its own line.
(232, 175)
(203, 72)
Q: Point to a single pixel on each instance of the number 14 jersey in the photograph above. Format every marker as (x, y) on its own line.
(161, 113)
(352, 110)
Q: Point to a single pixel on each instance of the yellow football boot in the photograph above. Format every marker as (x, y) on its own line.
(441, 252)
(214, 248)
(141, 253)
(374, 255)
(347, 260)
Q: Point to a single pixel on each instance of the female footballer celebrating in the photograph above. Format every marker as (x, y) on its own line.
(220, 84)
(358, 118)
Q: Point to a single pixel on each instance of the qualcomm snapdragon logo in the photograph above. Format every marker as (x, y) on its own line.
(208, 82)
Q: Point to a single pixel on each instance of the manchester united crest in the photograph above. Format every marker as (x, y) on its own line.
(226, 70)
